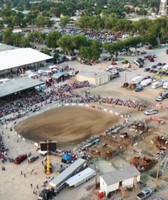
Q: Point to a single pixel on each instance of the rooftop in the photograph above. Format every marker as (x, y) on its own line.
(20, 57)
(16, 85)
(92, 74)
(120, 175)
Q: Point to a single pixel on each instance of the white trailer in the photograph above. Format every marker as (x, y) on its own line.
(58, 181)
(137, 79)
(146, 82)
(81, 177)
(157, 84)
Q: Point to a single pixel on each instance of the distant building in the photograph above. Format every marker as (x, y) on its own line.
(18, 60)
(94, 78)
(123, 178)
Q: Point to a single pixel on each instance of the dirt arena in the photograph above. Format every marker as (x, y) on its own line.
(68, 125)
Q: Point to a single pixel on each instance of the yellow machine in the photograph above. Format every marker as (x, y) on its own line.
(48, 166)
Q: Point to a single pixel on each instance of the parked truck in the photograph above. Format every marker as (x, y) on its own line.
(137, 79)
(165, 85)
(157, 84)
(144, 194)
(146, 82)
(163, 95)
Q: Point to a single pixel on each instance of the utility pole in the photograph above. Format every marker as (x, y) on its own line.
(157, 175)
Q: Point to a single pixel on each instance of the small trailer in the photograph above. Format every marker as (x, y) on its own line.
(81, 177)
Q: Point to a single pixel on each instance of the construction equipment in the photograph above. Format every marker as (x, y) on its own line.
(48, 165)
(154, 119)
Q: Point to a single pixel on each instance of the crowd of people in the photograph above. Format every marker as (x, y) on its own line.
(20, 105)
(127, 103)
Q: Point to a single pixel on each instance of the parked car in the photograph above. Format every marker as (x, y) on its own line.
(32, 158)
(138, 63)
(151, 112)
(20, 159)
(139, 88)
(159, 98)
(144, 194)
(146, 69)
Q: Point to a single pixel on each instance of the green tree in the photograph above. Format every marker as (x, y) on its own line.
(46, 51)
(80, 40)
(64, 21)
(89, 53)
(67, 43)
(7, 36)
(52, 39)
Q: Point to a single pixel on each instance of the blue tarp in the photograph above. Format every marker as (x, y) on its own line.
(67, 158)
(57, 75)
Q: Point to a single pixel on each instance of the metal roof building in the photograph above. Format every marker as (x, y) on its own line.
(67, 173)
(17, 85)
(118, 179)
(15, 58)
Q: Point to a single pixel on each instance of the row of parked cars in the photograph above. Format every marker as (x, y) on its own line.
(145, 81)
(19, 159)
(160, 68)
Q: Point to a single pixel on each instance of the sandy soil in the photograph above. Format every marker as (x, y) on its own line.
(68, 125)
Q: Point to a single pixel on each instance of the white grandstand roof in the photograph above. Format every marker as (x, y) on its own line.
(20, 57)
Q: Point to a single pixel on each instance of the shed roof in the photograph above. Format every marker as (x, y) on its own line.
(16, 85)
(58, 75)
(92, 74)
(19, 57)
(5, 47)
(120, 175)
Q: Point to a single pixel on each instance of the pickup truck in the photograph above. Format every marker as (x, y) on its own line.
(144, 194)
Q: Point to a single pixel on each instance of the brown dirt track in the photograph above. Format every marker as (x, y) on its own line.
(68, 125)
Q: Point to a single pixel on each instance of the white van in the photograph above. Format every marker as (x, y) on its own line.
(146, 82)
(165, 67)
(137, 79)
(157, 84)
(165, 85)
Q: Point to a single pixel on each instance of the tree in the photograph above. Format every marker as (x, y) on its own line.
(89, 53)
(80, 40)
(56, 57)
(64, 21)
(40, 21)
(25, 42)
(52, 39)
(1, 25)
(46, 51)
(7, 36)
(96, 44)
(67, 43)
